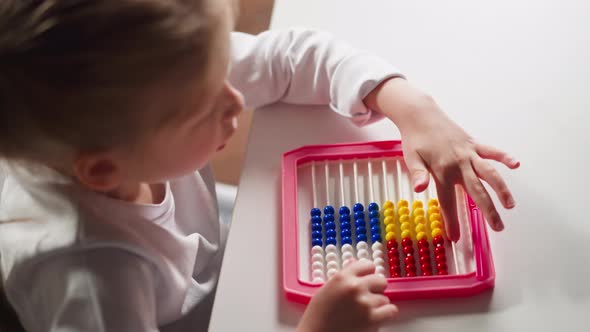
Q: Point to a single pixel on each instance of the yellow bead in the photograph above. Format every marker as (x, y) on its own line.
(389, 228)
(421, 236)
(388, 205)
(420, 228)
(418, 212)
(402, 203)
(403, 210)
(404, 218)
(405, 225)
(388, 213)
(420, 220)
(433, 209)
(390, 236)
(417, 204)
(437, 232)
(406, 234)
(434, 216)
(388, 220)
(435, 224)
(433, 202)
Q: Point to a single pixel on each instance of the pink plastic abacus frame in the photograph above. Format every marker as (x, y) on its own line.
(399, 288)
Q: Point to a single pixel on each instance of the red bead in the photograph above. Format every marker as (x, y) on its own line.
(409, 260)
(424, 259)
(426, 272)
(393, 261)
(440, 258)
(439, 250)
(441, 266)
(424, 252)
(408, 250)
(395, 269)
(438, 240)
(396, 275)
(442, 272)
(391, 244)
(393, 252)
(410, 274)
(407, 242)
(423, 243)
(410, 267)
(425, 267)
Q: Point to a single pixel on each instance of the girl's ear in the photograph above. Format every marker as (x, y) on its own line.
(98, 171)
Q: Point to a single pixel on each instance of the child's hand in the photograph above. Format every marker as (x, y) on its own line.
(352, 300)
(432, 141)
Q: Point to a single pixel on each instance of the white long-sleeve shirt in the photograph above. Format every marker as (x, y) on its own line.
(74, 260)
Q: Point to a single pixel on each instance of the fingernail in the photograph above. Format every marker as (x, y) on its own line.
(510, 203)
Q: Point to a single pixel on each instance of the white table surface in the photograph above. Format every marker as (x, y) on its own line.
(515, 74)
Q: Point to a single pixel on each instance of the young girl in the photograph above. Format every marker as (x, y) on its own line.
(110, 112)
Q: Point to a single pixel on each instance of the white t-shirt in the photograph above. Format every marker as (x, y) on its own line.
(74, 260)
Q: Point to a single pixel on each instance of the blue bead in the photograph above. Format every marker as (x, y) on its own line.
(375, 222)
(358, 207)
(329, 209)
(331, 240)
(346, 240)
(316, 235)
(376, 238)
(345, 233)
(373, 207)
(344, 210)
(375, 230)
(316, 212)
(316, 227)
(316, 219)
(361, 230)
(373, 214)
(359, 215)
(328, 217)
(344, 217)
(330, 225)
(359, 223)
(331, 233)
(316, 242)
(361, 238)
(345, 225)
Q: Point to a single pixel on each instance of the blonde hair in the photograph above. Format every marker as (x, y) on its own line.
(72, 72)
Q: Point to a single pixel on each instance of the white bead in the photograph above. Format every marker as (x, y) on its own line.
(331, 272)
(347, 255)
(347, 248)
(317, 250)
(318, 274)
(330, 248)
(362, 245)
(363, 254)
(317, 265)
(318, 280)
(379, 261)
(377, 246)
(317, 258)
(345, 262)
(364, 259)
(380, 270)
(332, 265)
(377, 254)
(331, 257)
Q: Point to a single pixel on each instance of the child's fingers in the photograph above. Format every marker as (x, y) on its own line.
(490, 152)
(489, 174)
(376, 300)
(375, 283)
(383, 313)
(360, 268)
(418, 171)
(448, 203)
(482, 199)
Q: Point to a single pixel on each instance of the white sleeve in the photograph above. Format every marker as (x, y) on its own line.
(92, 290)
(306, 67)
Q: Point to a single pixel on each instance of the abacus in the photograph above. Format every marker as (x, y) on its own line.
(331, 215)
